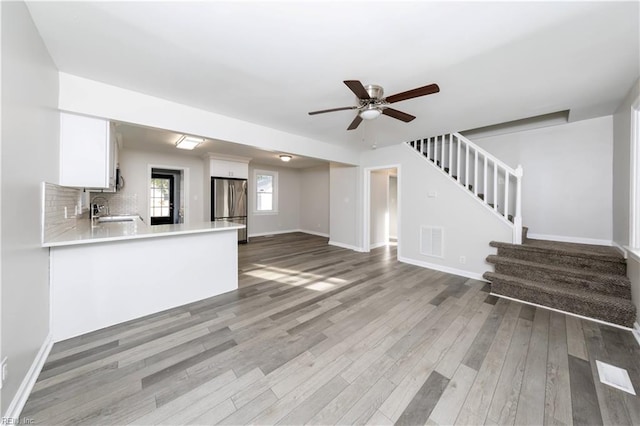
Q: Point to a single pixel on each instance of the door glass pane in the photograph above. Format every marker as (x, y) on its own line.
(160, 197)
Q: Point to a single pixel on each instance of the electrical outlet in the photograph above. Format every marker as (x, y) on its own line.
(463, 260)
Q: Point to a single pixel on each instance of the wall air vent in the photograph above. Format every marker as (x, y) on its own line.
(431, 241)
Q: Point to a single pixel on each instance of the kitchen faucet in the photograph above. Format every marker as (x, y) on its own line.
(98, 210)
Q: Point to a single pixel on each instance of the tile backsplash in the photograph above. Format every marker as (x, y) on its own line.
(117, 202)
(62, 208)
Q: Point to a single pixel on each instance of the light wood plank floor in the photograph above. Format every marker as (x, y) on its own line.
(321, 335)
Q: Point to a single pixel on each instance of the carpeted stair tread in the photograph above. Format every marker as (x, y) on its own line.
(588, 249)
(579, 256)
(603, 252)
(608, 284)
(611, 309)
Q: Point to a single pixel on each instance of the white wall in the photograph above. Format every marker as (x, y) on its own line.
(468, 225)
(393, 207)
(134, 166)
(621, 186)
(621, 166)
(344, 206)
(314, 200)
(566, 187)
(90, 97)
(379, 213)
(288, 216)
(30, 155)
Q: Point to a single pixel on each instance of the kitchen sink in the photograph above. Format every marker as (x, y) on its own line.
(119, 218)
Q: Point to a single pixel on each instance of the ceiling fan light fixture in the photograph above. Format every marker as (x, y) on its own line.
(370, 113)
(286, 158)
(188, 142)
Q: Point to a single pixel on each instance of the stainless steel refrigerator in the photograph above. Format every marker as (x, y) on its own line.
(229, 202)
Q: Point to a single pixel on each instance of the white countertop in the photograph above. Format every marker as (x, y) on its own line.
(121, 231)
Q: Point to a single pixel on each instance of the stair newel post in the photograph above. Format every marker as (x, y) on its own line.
(507, 177)
(517, 219)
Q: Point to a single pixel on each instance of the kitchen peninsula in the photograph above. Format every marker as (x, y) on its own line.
(115, 272)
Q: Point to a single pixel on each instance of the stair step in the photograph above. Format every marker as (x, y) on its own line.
(578, 256)
(481, 196)
(578, 279)
(615, 310)
(446, 170)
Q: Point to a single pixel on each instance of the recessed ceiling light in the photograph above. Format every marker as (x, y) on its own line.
(188, 142)
(286, 158)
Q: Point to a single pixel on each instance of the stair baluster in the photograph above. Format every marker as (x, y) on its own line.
(453, 161)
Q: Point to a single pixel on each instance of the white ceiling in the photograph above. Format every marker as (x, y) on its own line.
(271, 62)
(157, 140)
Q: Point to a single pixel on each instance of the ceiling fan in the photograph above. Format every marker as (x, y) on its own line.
(372, 103)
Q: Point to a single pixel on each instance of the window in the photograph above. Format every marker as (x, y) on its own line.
(266, 191)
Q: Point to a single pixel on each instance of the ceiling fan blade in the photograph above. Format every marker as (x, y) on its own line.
(355, 123)
(410, 94)
(332, 110)
(357, 88)
(399, 115)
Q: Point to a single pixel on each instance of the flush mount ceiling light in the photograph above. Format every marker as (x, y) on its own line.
(286, 158)
(188, 142)
(370, 112)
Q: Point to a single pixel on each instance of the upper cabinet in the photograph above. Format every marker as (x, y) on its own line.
(88, 152)
(228, 166)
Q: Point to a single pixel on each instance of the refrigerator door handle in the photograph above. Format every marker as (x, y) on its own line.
(232, 193)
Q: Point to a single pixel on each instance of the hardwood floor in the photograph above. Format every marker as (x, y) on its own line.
(321, 335)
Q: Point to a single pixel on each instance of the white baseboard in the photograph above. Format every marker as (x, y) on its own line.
(636, 331)
(345, 246)
(633, 254)
(622, 249)
(20, 399)
(265, 234)
(448, 270)
(319, 234)
(565, 239)
(287, 231)
(376, 245)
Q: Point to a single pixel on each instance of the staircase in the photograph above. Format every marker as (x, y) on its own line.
(581, 279)
(488, 180)
(577, 278)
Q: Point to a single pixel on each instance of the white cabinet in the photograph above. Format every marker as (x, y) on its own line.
(227, 166)
(88, 152)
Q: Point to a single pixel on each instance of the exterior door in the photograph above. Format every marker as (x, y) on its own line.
(162, 187)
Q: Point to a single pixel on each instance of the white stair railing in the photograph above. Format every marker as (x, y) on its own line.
(487, 179)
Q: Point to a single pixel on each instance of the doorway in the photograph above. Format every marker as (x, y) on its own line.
(381, 207)
(165, 196)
